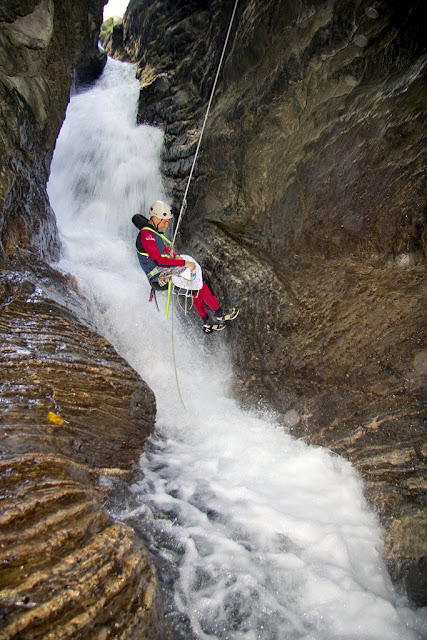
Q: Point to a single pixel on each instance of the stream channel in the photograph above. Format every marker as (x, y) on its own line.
(256, 535)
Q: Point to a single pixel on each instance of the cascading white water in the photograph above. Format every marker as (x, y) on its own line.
(259, 535)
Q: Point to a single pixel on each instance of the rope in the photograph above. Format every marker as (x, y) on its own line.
(184, 200)
(174, 359)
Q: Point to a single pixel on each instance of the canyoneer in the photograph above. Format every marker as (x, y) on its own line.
(161, 264)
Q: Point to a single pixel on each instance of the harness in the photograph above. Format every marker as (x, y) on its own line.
(150, 267)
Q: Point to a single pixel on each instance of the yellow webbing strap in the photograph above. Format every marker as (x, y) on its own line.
(169, 297)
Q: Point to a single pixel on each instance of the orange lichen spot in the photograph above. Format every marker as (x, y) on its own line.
(53, 418)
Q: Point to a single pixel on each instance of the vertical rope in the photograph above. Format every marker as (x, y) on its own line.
(184, 200)
(174, 358)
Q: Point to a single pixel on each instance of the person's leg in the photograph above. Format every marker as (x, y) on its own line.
(199, 306)
(208, 298)
(211, 301)
(200, 299)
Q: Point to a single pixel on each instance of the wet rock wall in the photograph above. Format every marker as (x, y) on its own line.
(72, 572)
(42, 44)
(73, 415)
(73, 421)
(307, 209)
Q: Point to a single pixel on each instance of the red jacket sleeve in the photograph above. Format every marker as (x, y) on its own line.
(148, 242)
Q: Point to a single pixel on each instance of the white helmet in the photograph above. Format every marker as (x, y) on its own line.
(161, 210)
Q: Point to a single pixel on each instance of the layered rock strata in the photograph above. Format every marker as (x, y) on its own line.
(71, 572)
(74, 417)
(307, 208)
(51, 362)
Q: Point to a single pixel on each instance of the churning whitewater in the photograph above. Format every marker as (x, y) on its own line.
(255, 534)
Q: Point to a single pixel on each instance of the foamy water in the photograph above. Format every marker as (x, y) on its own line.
(256, 535)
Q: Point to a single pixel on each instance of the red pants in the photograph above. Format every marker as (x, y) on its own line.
(205, 297)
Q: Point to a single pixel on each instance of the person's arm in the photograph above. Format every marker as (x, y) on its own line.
(149, 245)
(148, 242)
(188, 263)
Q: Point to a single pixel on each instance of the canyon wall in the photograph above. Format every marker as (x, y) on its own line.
(42, 43)
(74, 416)
(307, 209)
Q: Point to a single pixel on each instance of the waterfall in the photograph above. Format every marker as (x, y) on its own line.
(255, 534)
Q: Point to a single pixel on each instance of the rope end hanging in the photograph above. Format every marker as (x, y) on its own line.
(174, 359)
